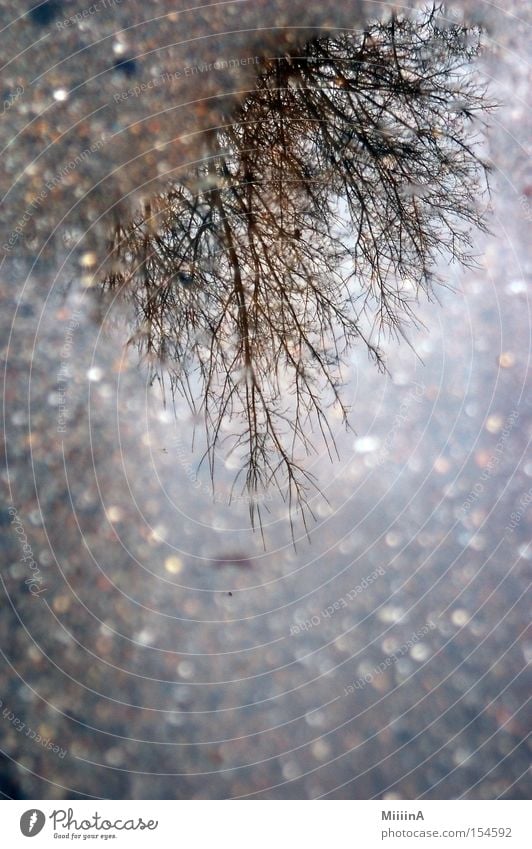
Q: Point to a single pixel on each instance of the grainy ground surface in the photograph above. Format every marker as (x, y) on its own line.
(134, 660)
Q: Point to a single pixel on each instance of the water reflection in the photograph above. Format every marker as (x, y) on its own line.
(312, 222)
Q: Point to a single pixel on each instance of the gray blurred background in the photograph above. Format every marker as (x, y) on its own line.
(151, 646)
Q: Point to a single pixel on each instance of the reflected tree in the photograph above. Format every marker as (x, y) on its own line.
(314, 221)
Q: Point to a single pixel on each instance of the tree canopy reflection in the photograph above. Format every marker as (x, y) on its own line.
(312, 223)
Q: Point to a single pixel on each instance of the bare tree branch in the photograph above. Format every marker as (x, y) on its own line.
(315, 222)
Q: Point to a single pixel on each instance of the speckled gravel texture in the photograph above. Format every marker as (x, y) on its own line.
(148, 635)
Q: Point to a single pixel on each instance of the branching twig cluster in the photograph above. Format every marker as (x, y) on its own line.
(314, 221)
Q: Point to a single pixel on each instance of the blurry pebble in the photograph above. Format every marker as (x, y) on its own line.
(126, 66)
(478, 629)
(95, 373)
(44, 13)
(425, 540)
(176, 719)
(88, 281)
(366, 444)
(45, 731)
(88, 259)
(78, 749)
(460, 756)
(173, 565)
(25, 693)
(290, 771)
(403, 667)
(105, 391)
(381, 682)
(341, 644)
(349, 544)
(516, 287)
(420, 652)
(494, 423)
(114, 756)
(415, 464)
(103, 645)
(477, 517)
(506, 360)
(219, 524)
(392, 539)
(144, 637)
(482, 458)
(460, 617)
(61, 604)
(527, 652)
(320, 750)
(389, 645)
(477, 543)
(323, 509)
(315, 718)
(185, 669)
(115, 514)
(313, 789)
(182, 694)
(34, 654)
(390, 614)
(158, 533)
(441, 465)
